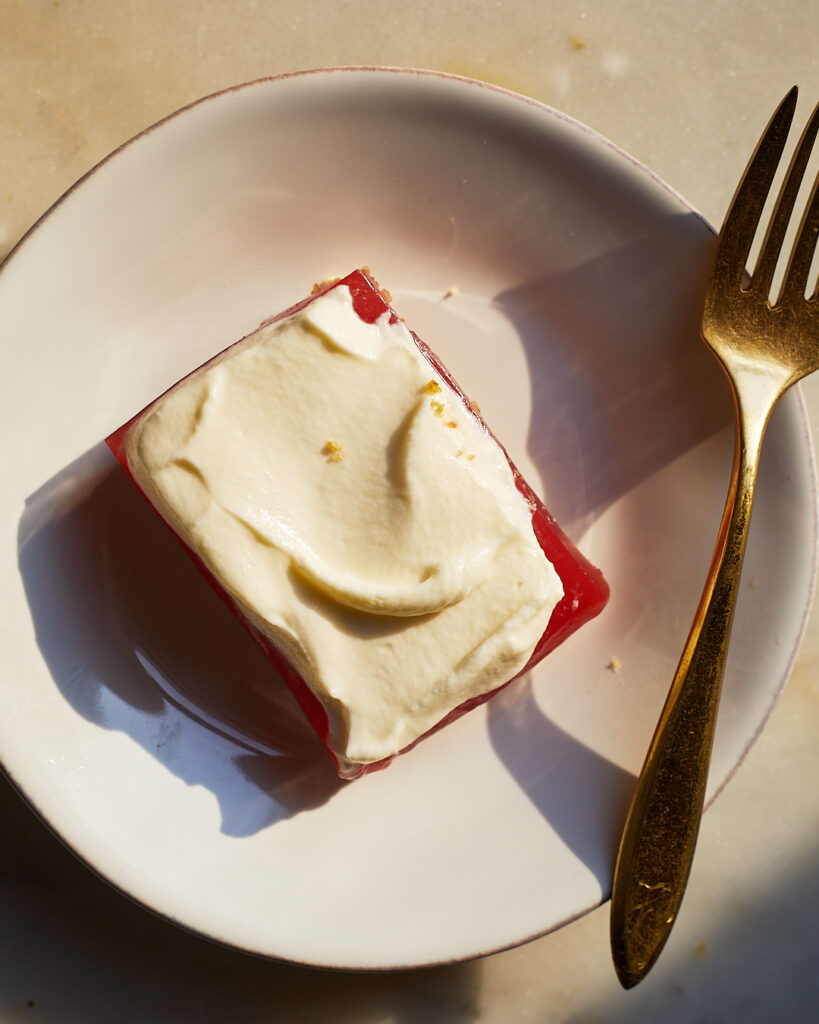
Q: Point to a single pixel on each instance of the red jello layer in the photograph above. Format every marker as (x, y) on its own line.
(585, 590)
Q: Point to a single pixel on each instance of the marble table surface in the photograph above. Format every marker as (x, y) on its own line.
(685, 88)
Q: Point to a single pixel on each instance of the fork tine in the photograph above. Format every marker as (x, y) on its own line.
(772, 245)
(740, 224)
(796, 275)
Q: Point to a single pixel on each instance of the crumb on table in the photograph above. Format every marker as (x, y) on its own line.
(334, 450)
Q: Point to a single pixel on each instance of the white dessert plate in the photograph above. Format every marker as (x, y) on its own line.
(562, 283)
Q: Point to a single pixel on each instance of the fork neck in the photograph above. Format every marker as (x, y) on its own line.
(757, 388)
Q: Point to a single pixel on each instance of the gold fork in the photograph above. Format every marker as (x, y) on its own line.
(764, 347)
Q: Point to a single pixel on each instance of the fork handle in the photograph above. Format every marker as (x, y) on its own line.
(657, 847)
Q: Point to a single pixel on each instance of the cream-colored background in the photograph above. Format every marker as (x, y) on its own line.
(686, 88)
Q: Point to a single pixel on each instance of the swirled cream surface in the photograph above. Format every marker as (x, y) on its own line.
(359, 516)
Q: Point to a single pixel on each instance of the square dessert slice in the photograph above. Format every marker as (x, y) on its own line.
(350, 505)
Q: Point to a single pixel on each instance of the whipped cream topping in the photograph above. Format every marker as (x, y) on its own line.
(358, 514)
